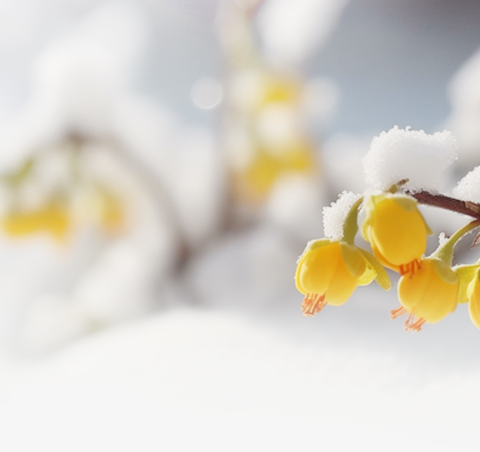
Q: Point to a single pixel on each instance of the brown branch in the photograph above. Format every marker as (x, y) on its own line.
(446, 202)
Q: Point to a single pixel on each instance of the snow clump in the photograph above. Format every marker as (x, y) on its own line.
(468, 188)
(409, 154)
(334, 215)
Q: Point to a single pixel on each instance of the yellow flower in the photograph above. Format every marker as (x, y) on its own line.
(279, 88)
(255, 181)
(329, 271)
(53, 218)
(255, 89)
(396, 231)
(428, 295)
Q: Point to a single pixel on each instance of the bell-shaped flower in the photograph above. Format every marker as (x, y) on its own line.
(329, 271)
(428, 295)
(396, 231)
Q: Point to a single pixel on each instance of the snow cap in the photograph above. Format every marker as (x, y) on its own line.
(334, 216)
(409, 154)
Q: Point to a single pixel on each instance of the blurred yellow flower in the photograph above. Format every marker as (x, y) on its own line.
(254, 88)
(268, 120)
(52, 219)
(396, 231)
(329, 271)
(278, 88)
(255, 181)
(428, 295)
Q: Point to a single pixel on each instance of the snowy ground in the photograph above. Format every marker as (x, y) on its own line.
(192, 377)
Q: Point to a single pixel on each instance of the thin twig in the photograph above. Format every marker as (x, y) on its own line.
(446, 202)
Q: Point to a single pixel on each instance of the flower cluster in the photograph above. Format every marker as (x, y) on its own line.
(267, 139)
(274, 143)
(34, 202)
(429, 288)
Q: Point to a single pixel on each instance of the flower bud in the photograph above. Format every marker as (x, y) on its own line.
(396, 231)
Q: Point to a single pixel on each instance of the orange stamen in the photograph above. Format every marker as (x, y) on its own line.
(313, 303)
(411, 324)
(397, 312)
(411, 268)
(417, 326)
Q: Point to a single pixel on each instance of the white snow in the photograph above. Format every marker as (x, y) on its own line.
(79, 83)
(409, 154)
(464, 94)
(292, 31)
(334, 215)
(468, 188)
(189, 378)
(442, 239)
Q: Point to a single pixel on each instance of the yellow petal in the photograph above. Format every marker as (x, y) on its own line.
(465, 274)
(398, 230)
(342, 285)
(353, 259)
(427, 294)
(316, 268)
(474, 300)
(375, 268)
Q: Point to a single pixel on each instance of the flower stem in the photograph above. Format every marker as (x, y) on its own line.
(350, 226)
(445, 252)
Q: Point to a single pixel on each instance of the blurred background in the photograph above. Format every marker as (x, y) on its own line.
(162, 165)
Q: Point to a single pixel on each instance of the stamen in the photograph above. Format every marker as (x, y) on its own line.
(417, 326)
(411, 324)
(313, 303)
(411, 268)
(397, 312)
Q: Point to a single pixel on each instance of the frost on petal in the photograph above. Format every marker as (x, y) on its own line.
(468, 188)
(334, 215)
(409, 154)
